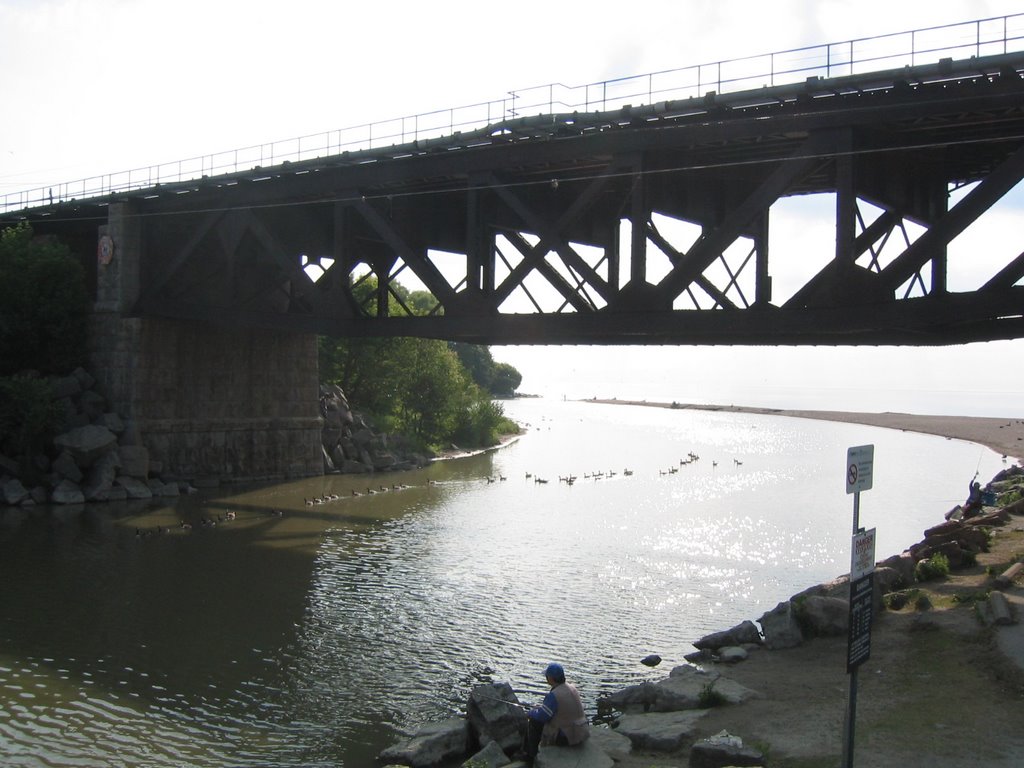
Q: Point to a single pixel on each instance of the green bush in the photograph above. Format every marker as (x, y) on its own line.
(43, 304)
(935, 567)
(1008, 498)
(28, 415)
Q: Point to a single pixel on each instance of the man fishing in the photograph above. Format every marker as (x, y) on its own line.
(975, 499)
(559, 719)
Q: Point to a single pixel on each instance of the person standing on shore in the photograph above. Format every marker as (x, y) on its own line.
(559, 719)
(974, 499)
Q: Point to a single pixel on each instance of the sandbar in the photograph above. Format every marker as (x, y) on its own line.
(1005, 436)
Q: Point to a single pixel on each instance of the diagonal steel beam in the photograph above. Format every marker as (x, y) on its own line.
(1007, 276)
(711, 244)
(988, 191)
(550, 237)
(419, 264)
(533, 259)
(162, 274)
(289, 266)
(676, 256)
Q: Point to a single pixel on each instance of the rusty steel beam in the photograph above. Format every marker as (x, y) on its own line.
(229, 250)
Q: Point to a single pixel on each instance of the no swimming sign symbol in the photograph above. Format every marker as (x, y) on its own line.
(859, 468)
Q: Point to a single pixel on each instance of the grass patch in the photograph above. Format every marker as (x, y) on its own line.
(709, 697)
(897, 601)
(971, 598)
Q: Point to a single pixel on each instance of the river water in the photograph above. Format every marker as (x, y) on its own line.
(316, 634)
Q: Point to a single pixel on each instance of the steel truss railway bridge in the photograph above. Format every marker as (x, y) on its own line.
(577, 220)
(563, 227)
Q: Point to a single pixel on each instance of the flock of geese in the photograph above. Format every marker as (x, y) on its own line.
(570, 479)
(205, 522)
(368, 492)
(690, 458)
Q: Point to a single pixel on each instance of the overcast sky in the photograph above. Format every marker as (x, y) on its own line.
(97, 86)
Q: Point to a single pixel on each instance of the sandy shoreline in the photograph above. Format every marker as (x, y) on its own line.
(1005, 436)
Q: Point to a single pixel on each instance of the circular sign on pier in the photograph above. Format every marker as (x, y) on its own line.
(105, 250)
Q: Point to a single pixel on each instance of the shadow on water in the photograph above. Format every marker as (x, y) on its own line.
(194, 608)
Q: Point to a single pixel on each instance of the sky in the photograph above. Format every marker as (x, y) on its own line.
(98, 86)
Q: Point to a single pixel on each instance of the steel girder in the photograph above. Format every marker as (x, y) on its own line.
(566, 228)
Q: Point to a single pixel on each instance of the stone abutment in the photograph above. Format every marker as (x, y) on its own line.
(207, 402)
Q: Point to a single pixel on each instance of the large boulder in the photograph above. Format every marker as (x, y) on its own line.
(496, 715)
(724, 749)
(588, 753)
(491, 756)
(102, 475)
(135, 488)
(65, 466)
(86, 444)
(614, 744)
(14, 492)
(685, 688)
(904, 565)
(633, 698)
(745, 632)
(67, 492)
(825, 616)
(432, 744)
(781, 628)
(660, 731)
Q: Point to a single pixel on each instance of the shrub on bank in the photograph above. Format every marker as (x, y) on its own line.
(935, 567)
(43, 304)
(29, 417)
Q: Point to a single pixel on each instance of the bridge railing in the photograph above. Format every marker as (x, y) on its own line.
(981, 37)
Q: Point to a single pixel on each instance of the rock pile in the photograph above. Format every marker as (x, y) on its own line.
(351, 447)
(96, 456)
(823, 610)
(490, 735)
(659, 716)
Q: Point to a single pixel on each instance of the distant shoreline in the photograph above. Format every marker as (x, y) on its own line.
(1005, 436)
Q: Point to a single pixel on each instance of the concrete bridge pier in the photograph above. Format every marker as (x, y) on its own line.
(209, 403)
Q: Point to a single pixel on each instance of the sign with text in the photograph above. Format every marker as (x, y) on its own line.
(860, 462)
(862, 558)
(858, 648)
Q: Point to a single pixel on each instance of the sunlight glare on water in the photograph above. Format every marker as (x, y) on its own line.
(303, 634)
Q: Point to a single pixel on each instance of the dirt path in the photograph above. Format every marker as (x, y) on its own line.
(938, 690)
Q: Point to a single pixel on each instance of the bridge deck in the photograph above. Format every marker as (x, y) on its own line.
(559, 225)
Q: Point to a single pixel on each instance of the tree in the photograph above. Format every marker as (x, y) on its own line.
(44, 304)
(482, 421)
(432, 391)
(505, 380)
(500, 379)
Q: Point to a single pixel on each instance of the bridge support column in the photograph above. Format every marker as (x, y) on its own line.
(209, 403)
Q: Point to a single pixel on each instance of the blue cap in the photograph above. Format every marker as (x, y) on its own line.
(555, 672)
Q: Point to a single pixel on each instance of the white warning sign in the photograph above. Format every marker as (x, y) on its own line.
(860, 462)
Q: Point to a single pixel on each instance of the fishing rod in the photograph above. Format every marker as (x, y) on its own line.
(506, 701)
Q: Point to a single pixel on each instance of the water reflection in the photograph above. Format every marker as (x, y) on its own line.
(250, 627)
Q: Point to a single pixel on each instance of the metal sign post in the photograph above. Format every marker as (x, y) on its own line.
(859, 474)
